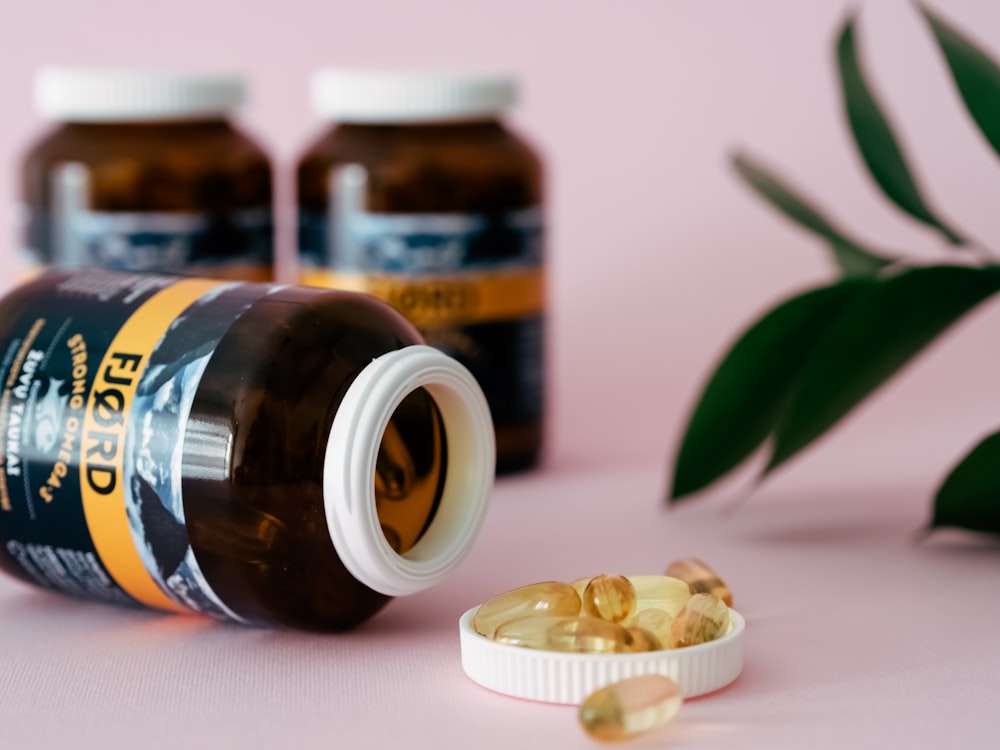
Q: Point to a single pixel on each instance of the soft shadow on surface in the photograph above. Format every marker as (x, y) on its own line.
(759, 674)
(46, 614)
(825, 517)
(423, 616)
(775, 721)
(958, 543)
(52, 606)
(29, 608)
(836, 516)
(808, 532)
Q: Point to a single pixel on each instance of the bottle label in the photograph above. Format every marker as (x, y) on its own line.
(473, 284)
(98, 378)
(238, 245)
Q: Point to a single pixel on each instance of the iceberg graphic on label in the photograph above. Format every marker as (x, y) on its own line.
(153, 459)
(166, 537)
(153, 455)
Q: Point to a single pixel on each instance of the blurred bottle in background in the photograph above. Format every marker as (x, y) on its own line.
(419, 194)
(143, 171)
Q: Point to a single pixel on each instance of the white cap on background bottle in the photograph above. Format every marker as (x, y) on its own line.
(123, 94)
(370, 96)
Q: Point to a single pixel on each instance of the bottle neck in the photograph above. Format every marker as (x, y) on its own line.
(351, 458)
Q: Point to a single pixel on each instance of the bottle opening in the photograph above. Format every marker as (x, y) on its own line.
(410, 469)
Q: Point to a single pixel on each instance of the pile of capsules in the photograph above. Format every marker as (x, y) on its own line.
(614, 614)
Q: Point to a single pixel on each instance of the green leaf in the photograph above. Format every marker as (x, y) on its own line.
(853, 261)
(879, 331)
(876, 142)
(744, 397)
(976, 75)
(850, 257)
(970, 497)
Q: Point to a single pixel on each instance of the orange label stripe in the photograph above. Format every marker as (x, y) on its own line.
(458, 299)
(102, 479)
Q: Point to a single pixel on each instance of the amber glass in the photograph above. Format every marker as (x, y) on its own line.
(478, 167)
(255, 447)
(254, 450)
(203, 167)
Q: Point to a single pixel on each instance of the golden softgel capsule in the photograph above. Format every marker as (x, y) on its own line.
(643, 640)
(655, 621)
(586, 635)
(631, 707)
(704, 618)
(609, 597)
(660, 592)
(700, 577)
(550, 598)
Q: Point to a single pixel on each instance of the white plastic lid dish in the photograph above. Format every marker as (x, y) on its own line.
(133, 95)
(568, 678)
(386, 97)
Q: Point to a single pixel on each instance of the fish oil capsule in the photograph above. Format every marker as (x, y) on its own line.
(631, 707)
(551, 598)
(654, 621)
(643, 640)
(241, 534)
(580, 584)
(704, 618)
(660, 592)
(588, 635)
(609, 597)
(701, 578)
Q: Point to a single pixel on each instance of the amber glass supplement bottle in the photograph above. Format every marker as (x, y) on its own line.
(143, 171)
(258, 453)
(419, 194)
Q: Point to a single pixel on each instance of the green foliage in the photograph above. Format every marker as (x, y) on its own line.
(970, 496)
(976, 77)
(878, 332)
(746, 396)
(850, 257)
(804, 365)
(875, 140)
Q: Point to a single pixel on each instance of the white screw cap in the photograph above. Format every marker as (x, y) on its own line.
(123, 95)
(369, 96)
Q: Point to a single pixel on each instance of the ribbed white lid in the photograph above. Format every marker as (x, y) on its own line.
(369, 96)
(559, 677)
(122, 95)
(352, 451)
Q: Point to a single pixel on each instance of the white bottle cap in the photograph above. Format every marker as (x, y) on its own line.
(125, 95)
(560, 677)
(368, 96)
(349, 470)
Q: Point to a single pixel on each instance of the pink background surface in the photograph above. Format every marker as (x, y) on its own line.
(658, 256)
(857, 636)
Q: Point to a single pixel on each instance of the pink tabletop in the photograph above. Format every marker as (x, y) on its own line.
(859, 634)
